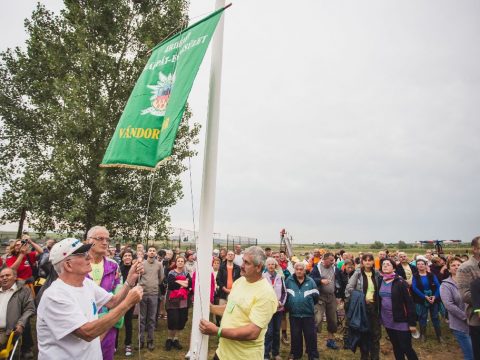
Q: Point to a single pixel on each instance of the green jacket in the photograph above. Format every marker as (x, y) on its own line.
(301, 298)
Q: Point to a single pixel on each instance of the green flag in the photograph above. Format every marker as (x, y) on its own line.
(146, 132)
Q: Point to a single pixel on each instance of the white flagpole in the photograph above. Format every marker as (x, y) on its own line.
(201, 307)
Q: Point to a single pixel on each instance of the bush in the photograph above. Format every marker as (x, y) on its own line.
(378, 245)
(402, 245)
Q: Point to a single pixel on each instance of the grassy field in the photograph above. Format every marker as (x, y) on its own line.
(429, 350)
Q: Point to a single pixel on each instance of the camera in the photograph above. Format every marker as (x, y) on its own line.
(24, 242)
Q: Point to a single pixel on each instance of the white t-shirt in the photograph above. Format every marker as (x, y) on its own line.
(62, 310)
(238, 259)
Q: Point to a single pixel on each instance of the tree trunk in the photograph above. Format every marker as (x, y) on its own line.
(23, 215)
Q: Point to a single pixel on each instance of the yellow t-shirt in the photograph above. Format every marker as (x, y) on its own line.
(97, 272)
(247, 303)
(408, 273)
(369, 297)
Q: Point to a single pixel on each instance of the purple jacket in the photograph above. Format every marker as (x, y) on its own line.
(454, 304)
(110, 280)
(278, 287)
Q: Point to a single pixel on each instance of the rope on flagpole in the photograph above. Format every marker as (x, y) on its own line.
(147, 225)
(199, 294)
(194, 229)
(147, 228)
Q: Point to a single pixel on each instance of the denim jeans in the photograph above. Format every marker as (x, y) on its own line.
(465, 343)
(422, 312)
(272, 336)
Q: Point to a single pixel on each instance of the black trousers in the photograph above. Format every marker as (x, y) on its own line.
(129, 326)
(177, 318)
(301, 328)
(27, 338)
(475, 336)
(371, 349)
(402, 344)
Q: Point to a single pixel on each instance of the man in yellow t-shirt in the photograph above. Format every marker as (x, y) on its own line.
(251, 304)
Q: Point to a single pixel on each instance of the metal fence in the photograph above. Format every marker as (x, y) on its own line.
(187, 238)
(182, 238)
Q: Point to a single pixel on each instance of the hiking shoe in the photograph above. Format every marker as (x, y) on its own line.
(128, 350)
(331, 344)
(176, 344)
(150, 346)
(168, 344)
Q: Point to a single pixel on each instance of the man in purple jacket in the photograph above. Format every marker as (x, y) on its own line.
(105, 273)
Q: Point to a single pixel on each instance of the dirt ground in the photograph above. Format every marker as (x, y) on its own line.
(429, 350)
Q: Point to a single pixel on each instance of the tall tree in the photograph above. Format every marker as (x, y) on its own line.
(60, 100)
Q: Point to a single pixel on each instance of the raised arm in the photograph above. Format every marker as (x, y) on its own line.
(37, 247)
(93, 329)
(129, 283)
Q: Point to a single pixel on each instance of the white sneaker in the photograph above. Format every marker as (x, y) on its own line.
(128, 351)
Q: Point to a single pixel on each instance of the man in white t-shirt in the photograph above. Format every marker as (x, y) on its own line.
(238, 255)
(68, 326)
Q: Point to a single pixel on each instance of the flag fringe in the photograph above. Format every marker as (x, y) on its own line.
(138, 167)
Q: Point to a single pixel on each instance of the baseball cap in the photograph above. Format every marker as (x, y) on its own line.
(67, 247)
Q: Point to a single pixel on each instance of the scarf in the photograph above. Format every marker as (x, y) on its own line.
(388, 276)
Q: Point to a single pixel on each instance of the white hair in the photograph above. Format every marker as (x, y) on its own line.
(299, 263)
(271, 260)
(257, 254)
(59, 267)
(94, 229)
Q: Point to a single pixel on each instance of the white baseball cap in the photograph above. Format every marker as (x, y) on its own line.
(67, 247)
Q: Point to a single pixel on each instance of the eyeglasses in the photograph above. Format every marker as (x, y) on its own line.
(101, 238)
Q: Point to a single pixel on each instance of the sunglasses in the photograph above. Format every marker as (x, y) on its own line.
(85, 255)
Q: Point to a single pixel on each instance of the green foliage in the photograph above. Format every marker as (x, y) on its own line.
(402, 245)
(377, 245)
(60, 100)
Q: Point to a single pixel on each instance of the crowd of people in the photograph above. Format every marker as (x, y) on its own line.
(84, 294)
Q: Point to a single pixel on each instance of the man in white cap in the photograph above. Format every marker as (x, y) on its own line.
(68, 326)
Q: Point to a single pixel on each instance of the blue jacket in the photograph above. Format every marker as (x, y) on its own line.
(301, 298)
(357, 319)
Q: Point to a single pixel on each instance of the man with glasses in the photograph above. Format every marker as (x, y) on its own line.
(106, 274)
(68, 325)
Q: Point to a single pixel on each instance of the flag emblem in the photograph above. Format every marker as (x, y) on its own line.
(160, 95)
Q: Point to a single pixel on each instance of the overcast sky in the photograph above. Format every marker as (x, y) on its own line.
(340, 120)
